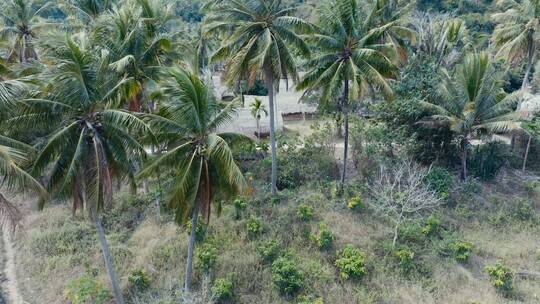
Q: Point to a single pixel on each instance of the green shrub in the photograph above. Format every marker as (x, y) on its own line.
(356, 203)
(523, 210)
(405, 260)
(223, 289)
(488, 159)
(86, 290)
(206, 257)
(139, 279)
(286, 276)
(200, 231)
(440, 180)
(310, 300)
(239, 206)
(461, 250)
(305, 212)
(254, 226)
(351, 263)
(538, 255)
(325, 238)
(501, 277)
(269, 250)
(431, 226)
(411, 232)
(68, 238)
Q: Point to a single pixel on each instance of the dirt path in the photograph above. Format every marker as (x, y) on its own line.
(10, 285)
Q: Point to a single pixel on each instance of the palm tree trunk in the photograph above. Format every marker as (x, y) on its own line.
(118, 296)
(526, 154)
(270, 86)
(345, 109)
(191, 250)
(530, 57)
(464, 159)
(258, 127)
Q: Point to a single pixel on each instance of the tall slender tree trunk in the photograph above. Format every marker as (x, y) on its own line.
(270, 86)
(526, 154)
(530, 59)
(464, 159)
(258, 119)
(191, 250)
(345, 109)
(117, 291)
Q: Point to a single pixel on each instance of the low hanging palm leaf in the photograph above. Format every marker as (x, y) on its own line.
(258, 36)
(473, 103)
(350, 57)
(204, 168)
(517, 33)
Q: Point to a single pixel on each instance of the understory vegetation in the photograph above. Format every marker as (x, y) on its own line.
(270, 151)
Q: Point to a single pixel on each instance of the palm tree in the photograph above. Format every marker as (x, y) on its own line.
(517, 33)
(261, 37)
(13, 157)
(350, 58)
(93, 142)
(473, 103)
(136, 36)
(258, 108)
(202, 160)
(533, 131)
(22, 24)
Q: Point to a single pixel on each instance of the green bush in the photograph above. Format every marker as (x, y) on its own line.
(411, 232)
(200, 231)
(239, 206)
(68, 238)
(310, 300)
(206, 257)
(523, 210)
(351, 263)
(269, 250)
(325, 238)
(286, 276)
(223, 289)
(254, 226)
(86, 290)
(356, 203)
(488, 159)
(405, 260)
(139, 279)
(461, 250)
(501, 277)
(431, 226)
(440, 180)
(305, 212)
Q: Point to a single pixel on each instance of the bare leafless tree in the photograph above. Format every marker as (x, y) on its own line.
(400, 193)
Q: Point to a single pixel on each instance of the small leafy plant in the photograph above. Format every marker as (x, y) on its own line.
(305, 212)
(254, 226)
(461, 250)
(432, 226)
(206, 257)
(405, 260)
(501, 277)
(139, 279)
(351, 262)
(269, 250)
(325, 238)
(223, 289)
(286, 276)
(87, 290)
(356, 203)
(239, 206)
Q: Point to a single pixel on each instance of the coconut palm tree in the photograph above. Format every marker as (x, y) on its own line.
(261, 36)
(205, 171)
(22, 23)
(473, 103)
(258, 108)
(93, 142)
(136, 36)
(517, 33)
(533, 131)
(350, 58)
